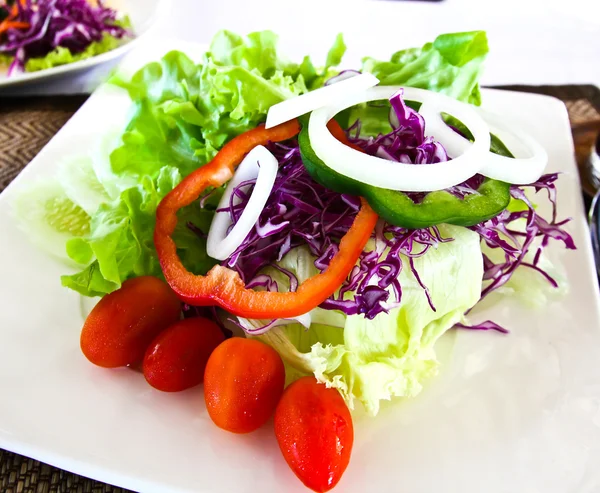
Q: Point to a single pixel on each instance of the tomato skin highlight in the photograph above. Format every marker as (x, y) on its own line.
(176, 358)
(314, 431)
(123, 323)
(243, 382)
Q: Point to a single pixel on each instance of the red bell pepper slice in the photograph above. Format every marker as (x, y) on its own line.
(223, 286)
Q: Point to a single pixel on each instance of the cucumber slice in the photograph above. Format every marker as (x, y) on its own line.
(49, 217)
(103, 148)
(81, 184)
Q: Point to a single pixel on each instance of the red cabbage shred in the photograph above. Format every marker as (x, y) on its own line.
(73, 24)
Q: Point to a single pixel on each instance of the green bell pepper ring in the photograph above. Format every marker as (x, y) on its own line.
(440, 206)
(322, 173)
(399, 209)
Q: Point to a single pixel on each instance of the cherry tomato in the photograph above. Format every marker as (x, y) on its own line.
(123, 323)
(176, 358)
(314, 431)
(243, 382)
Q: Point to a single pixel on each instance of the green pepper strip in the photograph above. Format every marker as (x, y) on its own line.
(398, 208)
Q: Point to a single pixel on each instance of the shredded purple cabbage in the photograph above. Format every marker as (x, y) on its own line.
(300, 212)
(406, 142)
(487, 325)
(379, 269)
(499, 233)
(73, 24)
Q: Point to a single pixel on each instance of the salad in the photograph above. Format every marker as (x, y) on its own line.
(296, 237)
(41, 34)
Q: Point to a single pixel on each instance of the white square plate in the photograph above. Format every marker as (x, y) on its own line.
(516, 413)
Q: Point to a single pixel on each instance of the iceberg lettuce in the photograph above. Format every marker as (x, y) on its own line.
(391, 355)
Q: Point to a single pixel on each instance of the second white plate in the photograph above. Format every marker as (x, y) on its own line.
(143, 14)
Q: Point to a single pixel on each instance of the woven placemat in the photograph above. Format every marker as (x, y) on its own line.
(26, 125)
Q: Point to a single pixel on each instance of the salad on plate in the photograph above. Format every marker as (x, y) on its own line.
(298, 238)
(41, 34)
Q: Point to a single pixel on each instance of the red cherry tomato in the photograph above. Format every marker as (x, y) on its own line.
(123, 323)
(243, 382)
(314, 430)
(176, 359)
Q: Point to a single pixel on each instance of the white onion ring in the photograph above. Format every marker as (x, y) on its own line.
(300, 105)
(259, 163)
(518, 171)
(384, 173)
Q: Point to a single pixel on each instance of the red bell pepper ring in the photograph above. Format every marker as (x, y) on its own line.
(224, 287)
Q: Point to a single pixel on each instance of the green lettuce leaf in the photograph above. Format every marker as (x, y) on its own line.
(255, 52)
(391, 355)
(120, 244)
(315, 78)
(5, 60)
(63, 56)
(186, 112)
(182, 115)
(258, 52)
(451, 65)
(155, 138)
